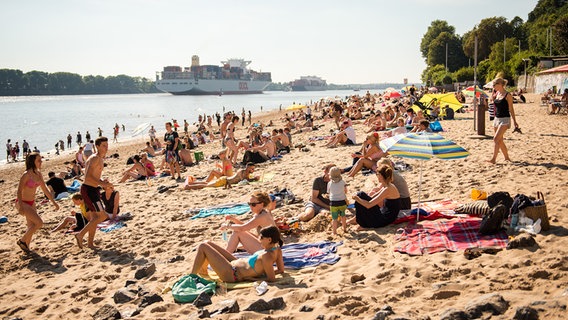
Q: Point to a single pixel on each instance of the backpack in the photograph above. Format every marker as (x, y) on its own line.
(190, 286)
(500, 197)
(492, 222)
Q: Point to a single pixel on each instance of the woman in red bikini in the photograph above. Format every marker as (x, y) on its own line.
(25, 201)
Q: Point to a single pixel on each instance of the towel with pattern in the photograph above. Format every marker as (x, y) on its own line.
(224, 209)
(441, 235)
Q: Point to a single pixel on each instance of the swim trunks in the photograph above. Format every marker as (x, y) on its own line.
(92, 198)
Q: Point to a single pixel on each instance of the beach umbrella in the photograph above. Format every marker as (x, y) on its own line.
(389, 89)
(442, 99)
(295, 107)
(392, 95)
(469, 91)
(422, 146)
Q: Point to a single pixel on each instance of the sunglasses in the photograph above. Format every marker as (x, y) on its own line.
(252, 204)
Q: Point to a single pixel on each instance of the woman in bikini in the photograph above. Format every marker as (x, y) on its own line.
(136, 172)
(369, 156)
(231, 269)
(224, 169)
(25, 201)
(230, 141)
(242, 234)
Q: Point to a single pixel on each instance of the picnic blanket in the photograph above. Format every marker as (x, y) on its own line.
(406, 216)
(223, 209)
(445, 206)
(441, 235)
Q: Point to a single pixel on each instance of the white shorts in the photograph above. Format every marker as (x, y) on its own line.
(501, 121)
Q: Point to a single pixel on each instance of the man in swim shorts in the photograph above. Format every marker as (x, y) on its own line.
(90, 192)
(318, 203)
(171, 138)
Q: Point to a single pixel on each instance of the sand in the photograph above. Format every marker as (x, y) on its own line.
(60, 281)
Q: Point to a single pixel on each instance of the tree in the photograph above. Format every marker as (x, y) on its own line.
(560, 35)
(434, 30)
(489, 31)
(437, 52)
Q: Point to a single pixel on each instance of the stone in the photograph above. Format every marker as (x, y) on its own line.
(176, 259)
(149, 299)
(145, 271)
(107, 312)
(202, 300)
(277, 303)
(261, 305)
(203, 313)
(227, 306)
(123, 295)
(130, 312)
(130, 282)
(453, 314)
(380, 315)
(493, 302)
(305, 308)
(525, 313)
(357, 278)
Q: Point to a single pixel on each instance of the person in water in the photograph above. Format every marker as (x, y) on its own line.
(231, 269)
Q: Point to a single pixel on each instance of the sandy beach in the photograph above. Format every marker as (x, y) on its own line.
(60, 281)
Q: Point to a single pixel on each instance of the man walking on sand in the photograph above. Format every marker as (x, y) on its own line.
(90, 192)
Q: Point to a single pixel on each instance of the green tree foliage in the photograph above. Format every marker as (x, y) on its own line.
(541, 24)
(464, 74)
(15, 82)
(489, 31)
(560, 31)
(437, 51)
(434, 30)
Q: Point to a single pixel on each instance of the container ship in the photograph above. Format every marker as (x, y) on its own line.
(232, 77)
(309, 83)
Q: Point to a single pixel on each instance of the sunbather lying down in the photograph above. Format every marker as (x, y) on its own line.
(231, 269)
(241, 174)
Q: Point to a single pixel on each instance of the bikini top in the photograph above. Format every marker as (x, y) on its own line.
(252, 259)
(31, 183)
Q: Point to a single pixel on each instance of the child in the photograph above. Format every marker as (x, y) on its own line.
(79, 219)
(337, 189)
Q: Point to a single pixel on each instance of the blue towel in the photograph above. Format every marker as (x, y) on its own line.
(113, 226)
(232, 208)
(304, 255)
(74, 187)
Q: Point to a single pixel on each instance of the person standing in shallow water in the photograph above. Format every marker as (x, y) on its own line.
(504, 112)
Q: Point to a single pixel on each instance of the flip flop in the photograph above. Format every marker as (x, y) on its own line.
(23, 246)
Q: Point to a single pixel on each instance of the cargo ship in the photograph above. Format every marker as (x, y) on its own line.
(309, 83)
(232, 77)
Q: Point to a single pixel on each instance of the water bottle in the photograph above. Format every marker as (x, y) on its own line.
(514, 220)
(225, 236)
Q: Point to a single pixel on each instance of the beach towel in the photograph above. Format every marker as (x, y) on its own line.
(288, 278)
(110, 225)
(267, 176)
(224, 209)
(441, 235)
(407, 216)
(445, 206)
(74, 187)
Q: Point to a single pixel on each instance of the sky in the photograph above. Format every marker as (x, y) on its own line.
(344, 42)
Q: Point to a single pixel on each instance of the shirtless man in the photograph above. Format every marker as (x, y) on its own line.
(224, 181)
(282, 138)
(267, 149)
(90, 192)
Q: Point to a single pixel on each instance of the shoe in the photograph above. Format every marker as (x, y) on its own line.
(23, 246)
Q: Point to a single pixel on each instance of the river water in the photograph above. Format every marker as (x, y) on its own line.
(44, 120)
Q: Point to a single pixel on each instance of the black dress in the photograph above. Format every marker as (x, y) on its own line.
(376, 217)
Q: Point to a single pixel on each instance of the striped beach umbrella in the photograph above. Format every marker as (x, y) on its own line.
(422, 146)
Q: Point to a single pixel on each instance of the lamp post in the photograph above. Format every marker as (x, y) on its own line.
(525, 61)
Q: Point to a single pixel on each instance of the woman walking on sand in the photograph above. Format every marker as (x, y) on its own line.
(25, 200)
(504, 111)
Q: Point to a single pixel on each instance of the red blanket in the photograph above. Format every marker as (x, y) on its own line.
(440, 235)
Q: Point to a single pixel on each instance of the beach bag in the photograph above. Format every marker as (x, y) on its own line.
(538, 211)
(436, 126)
(500, 197)
(492, 222)
(190, 286)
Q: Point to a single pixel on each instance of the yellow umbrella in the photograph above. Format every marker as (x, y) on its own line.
(295, 107)
(442, 99)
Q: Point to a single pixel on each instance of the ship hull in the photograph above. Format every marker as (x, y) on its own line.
(210, 87)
